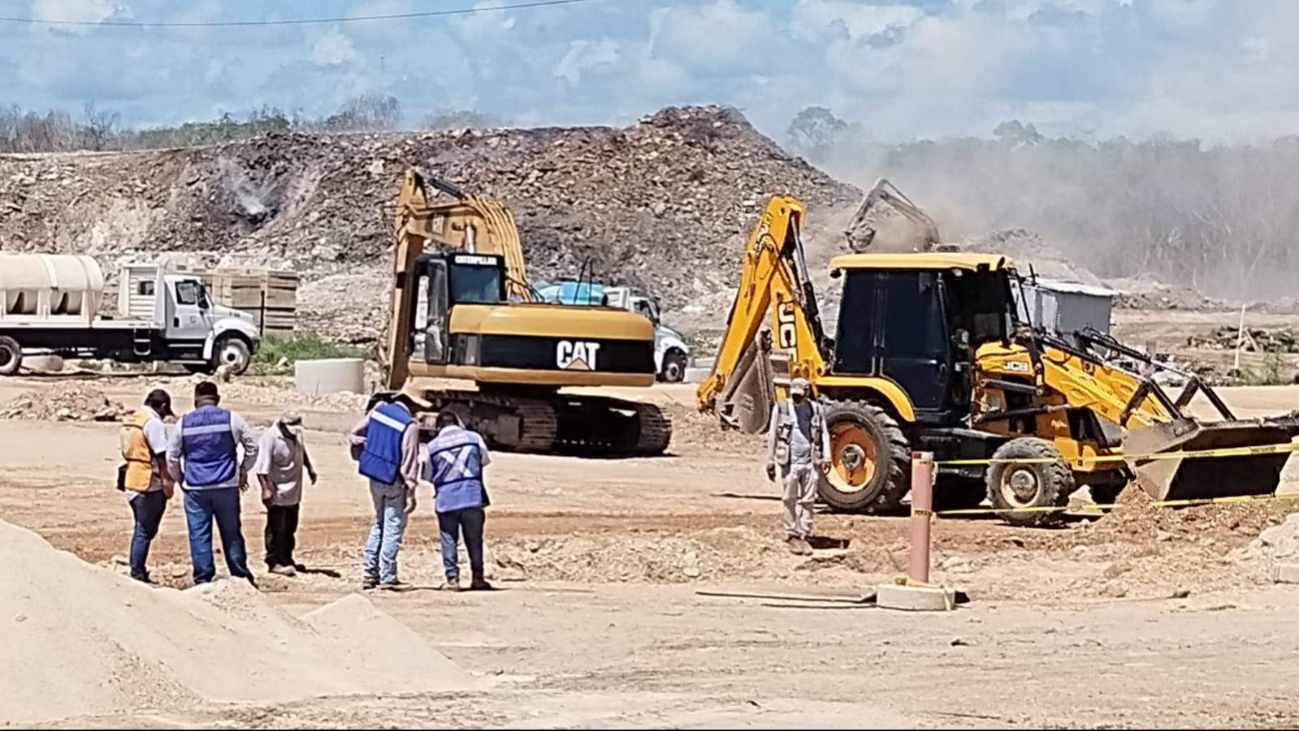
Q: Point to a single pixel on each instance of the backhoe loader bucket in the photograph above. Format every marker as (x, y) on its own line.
(746, 399)
(1194, 478)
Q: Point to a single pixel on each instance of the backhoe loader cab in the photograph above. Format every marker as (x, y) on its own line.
(918, 319)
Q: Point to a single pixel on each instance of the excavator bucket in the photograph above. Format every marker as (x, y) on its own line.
(1194, 478)
(746, 400)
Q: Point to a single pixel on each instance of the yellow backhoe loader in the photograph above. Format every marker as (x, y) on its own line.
(930, 355)
(462, 308)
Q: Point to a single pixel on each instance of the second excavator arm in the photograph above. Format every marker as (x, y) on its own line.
(774, 279)
(861, 231)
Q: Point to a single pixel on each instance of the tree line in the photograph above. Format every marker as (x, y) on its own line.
(1221, 218)
(98, 129)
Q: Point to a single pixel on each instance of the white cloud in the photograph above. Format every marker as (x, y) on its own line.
(82, 11)
(334, 49)
(489, 24)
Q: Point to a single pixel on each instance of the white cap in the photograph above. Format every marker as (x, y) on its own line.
(799, 387)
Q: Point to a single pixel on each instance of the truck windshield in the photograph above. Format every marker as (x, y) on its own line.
(476, 285)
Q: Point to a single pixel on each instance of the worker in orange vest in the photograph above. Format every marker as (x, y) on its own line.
(144, 476)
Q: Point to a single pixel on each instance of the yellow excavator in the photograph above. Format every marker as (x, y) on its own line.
(932, 355)
(462, 308)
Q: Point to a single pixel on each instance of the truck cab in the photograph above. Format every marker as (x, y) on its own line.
(671, 353)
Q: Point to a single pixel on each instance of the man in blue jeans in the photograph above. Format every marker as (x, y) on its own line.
(385, 445)
(456, 458)
(203, 456)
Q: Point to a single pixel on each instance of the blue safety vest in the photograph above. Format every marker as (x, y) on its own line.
(456, 460)
(208, 446)
(381, 458)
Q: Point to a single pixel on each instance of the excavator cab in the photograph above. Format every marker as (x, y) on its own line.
(444, 281)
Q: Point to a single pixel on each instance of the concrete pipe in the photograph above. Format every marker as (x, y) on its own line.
(336, 375)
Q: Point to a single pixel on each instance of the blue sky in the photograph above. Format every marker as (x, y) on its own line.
(1221, 70)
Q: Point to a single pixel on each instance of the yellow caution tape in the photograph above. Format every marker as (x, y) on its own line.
(1261, 449)
(1189, 503)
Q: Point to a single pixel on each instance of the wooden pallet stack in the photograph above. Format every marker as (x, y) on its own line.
(270, 296)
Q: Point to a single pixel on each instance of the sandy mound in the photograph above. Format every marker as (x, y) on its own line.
(1278, 544)
(78, 640)
(65, 402)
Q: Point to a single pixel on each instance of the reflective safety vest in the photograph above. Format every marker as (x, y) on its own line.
(457, 466)
(136, 452)
(208, 446)
(786, 420)
(381, 459)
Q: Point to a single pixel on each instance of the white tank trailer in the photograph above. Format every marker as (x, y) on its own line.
(51, 305)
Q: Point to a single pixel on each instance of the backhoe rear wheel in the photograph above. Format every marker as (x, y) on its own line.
(1042, 480)
(870, 459)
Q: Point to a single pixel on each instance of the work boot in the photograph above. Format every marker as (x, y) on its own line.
(284, 571)
(800, 547)
(480, 584)
(395, 585)
(452, 584)
(369, 582)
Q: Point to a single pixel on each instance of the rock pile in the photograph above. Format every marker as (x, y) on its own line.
(658, 205)
(65, 402)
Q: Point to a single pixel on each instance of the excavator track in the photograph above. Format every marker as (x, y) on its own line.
(547, 423)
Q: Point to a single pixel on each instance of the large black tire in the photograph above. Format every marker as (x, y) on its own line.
(1043, 480)
(11, 356)
(234, 352)
(674, 367)
(860, 481)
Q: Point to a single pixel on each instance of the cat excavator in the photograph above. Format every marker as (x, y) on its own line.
(930, 355)
(462, 308)
(864, 227)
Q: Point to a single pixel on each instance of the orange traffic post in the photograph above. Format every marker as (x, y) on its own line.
(922, 514)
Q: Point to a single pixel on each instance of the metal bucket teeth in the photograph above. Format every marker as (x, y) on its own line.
(1193, 478)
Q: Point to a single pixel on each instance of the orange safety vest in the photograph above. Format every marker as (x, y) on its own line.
(136, 452)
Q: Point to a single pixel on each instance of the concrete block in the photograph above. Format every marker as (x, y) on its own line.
(915, 598)
(43, 363)
(318, 377)
(1286, 573)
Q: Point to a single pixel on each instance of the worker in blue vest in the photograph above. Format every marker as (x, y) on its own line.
(385, 445)
(203, 457)
(456, 458)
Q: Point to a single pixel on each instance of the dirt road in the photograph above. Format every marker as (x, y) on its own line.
(598, 622)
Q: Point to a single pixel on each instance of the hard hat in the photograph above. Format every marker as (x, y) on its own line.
(799, 387)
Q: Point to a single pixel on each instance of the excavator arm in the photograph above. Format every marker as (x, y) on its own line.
(471, 224)
(861, 231)
(774, 280)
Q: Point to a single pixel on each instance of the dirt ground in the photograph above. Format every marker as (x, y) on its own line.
(1136, 619)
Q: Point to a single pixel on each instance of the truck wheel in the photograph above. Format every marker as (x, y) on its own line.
(674, 367)
(870, 459)
(233, 353)
(11, 356)
(1042, 480)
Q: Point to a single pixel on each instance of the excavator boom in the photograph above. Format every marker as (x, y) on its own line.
(862, 229)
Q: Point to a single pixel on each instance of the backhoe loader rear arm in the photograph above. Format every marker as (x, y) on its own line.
(770, 281)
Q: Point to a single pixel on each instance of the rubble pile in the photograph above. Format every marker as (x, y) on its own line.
(1256, 339)
(654, 205)
(65, 402)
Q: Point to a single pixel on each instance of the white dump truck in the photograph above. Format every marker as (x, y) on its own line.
(50, 305)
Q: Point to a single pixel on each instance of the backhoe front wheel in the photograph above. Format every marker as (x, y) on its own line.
(870, 459)
(1029, 480)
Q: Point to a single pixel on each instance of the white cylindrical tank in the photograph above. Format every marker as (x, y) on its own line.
(337, 375)
(50, 284)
